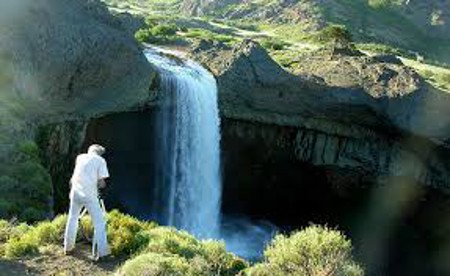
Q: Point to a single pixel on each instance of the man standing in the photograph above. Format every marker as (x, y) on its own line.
(89, 174)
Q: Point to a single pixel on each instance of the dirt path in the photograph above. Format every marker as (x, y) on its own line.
(52, 261)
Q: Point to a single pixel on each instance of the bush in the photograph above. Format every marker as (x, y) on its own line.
(335, 34)
(156, 264)
(9, 231)
(272, 44)
(202, 257)
(142, 35)
(315, 250)
(18, 247)
(25, 185)
(164, 30)
(158, 34)
(31, 238)
(127, 235)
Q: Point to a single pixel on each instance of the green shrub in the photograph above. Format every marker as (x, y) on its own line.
(18, 247)
(217, 259)
(158, 34)
(273, 44)
(10, 231)
(156, 264)
(126, 234)
(25, 185)
(335, 34)
(205, 257)
(164, 30)
(202, 257)
(28, 150)
(31, 238)
(49, 232)
(142, 35)
(315, 250)
(166, 240)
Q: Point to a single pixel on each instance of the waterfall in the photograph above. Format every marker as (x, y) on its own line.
(187, 184)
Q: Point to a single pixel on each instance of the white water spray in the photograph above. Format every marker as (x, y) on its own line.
(188, 183)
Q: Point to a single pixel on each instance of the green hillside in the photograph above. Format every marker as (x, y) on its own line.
(415, 30)
(417, 27)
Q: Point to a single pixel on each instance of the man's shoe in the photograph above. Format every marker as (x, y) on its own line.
(101, 259)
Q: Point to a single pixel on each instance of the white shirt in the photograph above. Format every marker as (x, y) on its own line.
(89, 169)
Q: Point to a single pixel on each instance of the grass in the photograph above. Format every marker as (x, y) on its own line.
(439, 77)
(209, 35)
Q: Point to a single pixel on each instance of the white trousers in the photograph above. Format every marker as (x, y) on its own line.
(92, 205)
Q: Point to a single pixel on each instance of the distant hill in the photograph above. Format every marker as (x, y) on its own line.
(416, 25)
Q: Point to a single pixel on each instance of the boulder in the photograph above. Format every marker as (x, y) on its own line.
(70, 57)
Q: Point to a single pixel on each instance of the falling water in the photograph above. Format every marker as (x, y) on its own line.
(188, 183)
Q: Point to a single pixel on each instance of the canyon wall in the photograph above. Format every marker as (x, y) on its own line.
(379, 118)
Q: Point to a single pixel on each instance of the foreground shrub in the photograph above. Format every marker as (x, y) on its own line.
(156, 264)
(315, 250)
(178, 252)
(206, 257)
(126, 234)
(32, 237)
(21, 247)
(9, 230)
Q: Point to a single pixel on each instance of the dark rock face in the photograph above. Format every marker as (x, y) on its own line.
(352, 112)
(396, 225)
(352, 142)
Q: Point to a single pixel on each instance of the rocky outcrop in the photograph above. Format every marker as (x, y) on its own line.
(351, 112)
(70, 57)
(62, 62)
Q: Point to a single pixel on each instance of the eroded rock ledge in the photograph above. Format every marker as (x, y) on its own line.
(352, 112)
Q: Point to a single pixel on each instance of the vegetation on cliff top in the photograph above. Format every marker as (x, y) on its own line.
(157, 250)
(290, 29)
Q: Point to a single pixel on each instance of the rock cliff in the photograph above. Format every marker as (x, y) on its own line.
(351, 112)
(60, 60)
(70, 57)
